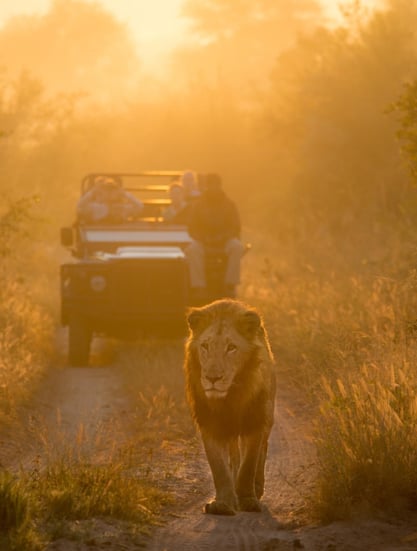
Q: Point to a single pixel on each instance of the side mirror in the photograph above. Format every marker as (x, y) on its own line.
(67, 237)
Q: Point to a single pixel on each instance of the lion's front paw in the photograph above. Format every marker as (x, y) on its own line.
(219, 508)
(259, 490)
(250, 504)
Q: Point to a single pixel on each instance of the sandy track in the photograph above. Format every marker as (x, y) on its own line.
(73, 407)
(283, 524)
(247, 531)
(95, 401)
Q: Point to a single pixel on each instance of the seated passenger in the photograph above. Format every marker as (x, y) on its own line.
(178, 211)
(214, 225)
(107, 202)
(190, 186)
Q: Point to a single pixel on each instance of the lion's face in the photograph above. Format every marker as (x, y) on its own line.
(221, 351)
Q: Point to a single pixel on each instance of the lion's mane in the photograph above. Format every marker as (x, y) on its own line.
(246, 407)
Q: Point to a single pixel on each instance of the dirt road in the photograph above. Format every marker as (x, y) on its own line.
(95, 400)
(283, 525)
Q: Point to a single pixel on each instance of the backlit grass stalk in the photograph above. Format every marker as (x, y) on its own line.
(78, 490)
(25, 343)
(16, 530)
(367, 441)
(13, 504)
(324, 325)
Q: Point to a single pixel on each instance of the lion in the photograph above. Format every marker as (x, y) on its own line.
(230, 386)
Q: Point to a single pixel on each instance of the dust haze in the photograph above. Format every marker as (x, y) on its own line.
(312, 125)
(295, 115)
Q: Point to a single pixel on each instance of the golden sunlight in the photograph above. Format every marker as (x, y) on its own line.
(333, 7)
(145, 147)
(156, 26)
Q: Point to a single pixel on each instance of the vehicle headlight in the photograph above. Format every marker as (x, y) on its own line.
(98, 283)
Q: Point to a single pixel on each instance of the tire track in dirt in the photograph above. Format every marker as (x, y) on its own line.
(74, 408)
(290, 469)
(284, 523)
(245, 531)
(96, 401)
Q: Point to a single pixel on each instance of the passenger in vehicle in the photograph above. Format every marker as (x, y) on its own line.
(178, 212)
(214, 227)
(108, 202)
(189, 183)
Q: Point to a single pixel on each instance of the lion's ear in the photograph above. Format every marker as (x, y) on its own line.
(249, 323)
(195, 319)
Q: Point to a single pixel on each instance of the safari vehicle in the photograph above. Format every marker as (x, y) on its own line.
(131, 278)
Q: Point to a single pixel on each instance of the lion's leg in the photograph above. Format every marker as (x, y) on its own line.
(245, 486)
(225, 502)
(260, 469)
(234, 455)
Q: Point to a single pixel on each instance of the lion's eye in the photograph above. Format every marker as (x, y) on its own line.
(230, 348)
(204, 346)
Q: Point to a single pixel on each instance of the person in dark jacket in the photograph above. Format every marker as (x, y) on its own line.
(214, 224)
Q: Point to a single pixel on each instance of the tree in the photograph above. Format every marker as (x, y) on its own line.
(328, 113)
(213, 20)
(406, 107)
(238, 41)
(76, 46)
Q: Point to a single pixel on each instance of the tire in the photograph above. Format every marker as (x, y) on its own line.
(79, 341)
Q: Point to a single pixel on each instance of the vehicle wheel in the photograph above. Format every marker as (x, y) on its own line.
(79, 340)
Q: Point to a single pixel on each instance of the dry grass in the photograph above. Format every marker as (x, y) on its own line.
(74, 485)
(324, 325)
(367, 442)
(78, 490)
(344, 338)
(25, 344)
(345, 342)
(154, 377)
(15, 528)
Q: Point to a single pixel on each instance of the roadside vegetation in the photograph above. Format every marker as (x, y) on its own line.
(316, 142)
(25, 325)
(81, 489)
(347, 347)
(69, 495)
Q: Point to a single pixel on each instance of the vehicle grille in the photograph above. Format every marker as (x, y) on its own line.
(153, 289)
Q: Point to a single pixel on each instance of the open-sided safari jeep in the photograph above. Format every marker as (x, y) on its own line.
(128, 278)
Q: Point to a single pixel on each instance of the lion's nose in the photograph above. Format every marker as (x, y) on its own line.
(213, 378)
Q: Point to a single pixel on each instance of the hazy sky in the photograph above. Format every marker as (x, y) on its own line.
(155, 24)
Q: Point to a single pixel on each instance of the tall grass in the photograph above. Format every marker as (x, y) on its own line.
(26, 328)
(14, 515)
(26, 332)
(345, 341)
(367, 442)
(153, 371)
(77, 490)
(71, 487)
